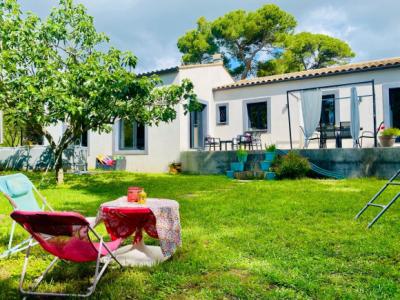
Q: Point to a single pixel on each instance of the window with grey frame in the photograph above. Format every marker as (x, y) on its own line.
(131, 135)
(257, 115)
(222, 114)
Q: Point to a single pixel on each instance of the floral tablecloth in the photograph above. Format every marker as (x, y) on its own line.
(158, 217)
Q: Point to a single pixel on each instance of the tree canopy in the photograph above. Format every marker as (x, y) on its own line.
(305, 51)
(54, 70)
(261, 42)
(242, 37)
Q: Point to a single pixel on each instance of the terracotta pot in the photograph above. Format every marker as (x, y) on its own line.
(386, 141)
(133, 193)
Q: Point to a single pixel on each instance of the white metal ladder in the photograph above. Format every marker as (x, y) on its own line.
(383, 207)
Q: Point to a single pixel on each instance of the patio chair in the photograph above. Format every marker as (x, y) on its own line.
(105, 162)
(212, 142)
(65, 235)
(243, 140)
(20, 192)
(370, 134)
(255, 138)
(344, 128)
(315, 136)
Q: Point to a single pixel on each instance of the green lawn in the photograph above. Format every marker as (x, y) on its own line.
(241, 240)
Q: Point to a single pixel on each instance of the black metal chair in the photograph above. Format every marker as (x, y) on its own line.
(345, 132)
(243, 140)
(327, 132)
(212, 142)
(255, 138)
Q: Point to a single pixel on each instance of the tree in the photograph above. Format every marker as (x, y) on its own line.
(13, 131)
(198, 44)
(305, 51)
(242, 37)
(52, 71)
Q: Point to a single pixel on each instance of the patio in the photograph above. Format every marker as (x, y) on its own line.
(240, 240)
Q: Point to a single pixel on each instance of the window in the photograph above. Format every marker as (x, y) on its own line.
(131, 135)
(83, 140)
(257, 116)
(328, 117)
(222, 114)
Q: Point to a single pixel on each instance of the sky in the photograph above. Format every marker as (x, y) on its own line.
(151, 28)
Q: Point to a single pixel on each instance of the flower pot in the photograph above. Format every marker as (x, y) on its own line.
(245, 175)
(265, 165)
(242, 158)
(133, 193)
(230, 174)
(386, 140)
(237, 166)
(269, 156)
(270, 175)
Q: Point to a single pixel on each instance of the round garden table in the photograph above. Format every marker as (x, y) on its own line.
(159, 218)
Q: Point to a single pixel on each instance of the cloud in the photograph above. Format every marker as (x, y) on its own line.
(151, 28)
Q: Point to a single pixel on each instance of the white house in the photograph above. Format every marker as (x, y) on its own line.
(268, 106)
(280, 95)
(151, 149)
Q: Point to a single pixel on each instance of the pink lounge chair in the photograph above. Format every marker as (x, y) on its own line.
(66, 236)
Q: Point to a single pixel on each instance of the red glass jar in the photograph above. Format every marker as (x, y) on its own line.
(133, 193)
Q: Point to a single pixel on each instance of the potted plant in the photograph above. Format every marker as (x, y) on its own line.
(270, 153)
(388, 136)
(175, 168)
(270, 175)
(241, 155)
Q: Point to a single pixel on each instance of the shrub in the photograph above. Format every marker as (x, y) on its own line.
(270, 148)
(291, 166)
(390, 132)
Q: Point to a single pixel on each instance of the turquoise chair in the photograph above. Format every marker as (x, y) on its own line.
(20, 192)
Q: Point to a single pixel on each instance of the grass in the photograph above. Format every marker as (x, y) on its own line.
(241, 240)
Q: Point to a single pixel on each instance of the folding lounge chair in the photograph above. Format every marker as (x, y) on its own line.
(20, 192)
(66, 236)
(105, 162)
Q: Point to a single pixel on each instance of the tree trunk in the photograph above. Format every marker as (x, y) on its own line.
(247, 69)
(59, 168)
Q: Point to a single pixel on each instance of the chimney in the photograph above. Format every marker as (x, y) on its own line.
(217, 57)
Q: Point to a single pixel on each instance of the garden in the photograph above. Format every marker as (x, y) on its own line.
(286, 239)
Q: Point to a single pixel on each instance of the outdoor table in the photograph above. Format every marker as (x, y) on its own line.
(226, 142)
(159, 218)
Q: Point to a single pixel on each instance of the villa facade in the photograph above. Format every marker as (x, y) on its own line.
(269, 106)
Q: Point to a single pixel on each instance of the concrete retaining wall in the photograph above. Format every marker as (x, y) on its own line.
(378, 162)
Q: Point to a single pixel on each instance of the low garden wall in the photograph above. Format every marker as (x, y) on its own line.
(378, 162)
(38, 158)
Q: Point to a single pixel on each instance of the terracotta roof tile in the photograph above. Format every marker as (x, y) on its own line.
(349, 68)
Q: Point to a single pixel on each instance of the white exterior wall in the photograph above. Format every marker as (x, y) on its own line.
(163, 144)
(56, 131)
(156, 155)
(204, 80)
(276, 93)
